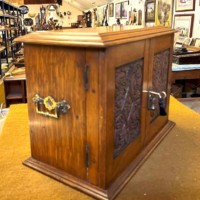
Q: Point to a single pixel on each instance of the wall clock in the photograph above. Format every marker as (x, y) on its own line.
(24, 9)
(28, 22)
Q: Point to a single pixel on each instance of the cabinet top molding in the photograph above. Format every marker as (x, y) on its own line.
(100, 37)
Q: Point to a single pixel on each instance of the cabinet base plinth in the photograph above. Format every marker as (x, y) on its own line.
(118, 184)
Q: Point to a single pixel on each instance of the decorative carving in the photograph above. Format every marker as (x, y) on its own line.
(160, 77)
(128, 89)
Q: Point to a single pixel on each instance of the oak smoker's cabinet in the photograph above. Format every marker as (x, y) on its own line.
(93, 102)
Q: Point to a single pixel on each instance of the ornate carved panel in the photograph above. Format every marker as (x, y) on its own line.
(128, 89)
(160, 77)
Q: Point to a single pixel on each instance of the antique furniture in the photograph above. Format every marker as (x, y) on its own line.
(185, 80)
(183, 72)
(15, 89)
(187, 58)
(98, 103)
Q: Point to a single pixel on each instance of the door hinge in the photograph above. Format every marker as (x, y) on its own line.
(86, 77)
(87, 164)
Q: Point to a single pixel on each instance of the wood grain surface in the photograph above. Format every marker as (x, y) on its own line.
(80, 66)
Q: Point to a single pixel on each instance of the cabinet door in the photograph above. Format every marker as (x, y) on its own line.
(126, 74)
(57, 72)
(159, 82)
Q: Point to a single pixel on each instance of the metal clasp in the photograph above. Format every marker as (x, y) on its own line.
(151, 104)
(162, 94)
(49, 107)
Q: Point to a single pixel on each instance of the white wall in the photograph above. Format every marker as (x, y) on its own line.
(196, 30)
(137, 4)
(133, 4)
(140, 4)
(196, 24)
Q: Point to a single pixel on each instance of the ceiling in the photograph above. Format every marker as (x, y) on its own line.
(87, 4)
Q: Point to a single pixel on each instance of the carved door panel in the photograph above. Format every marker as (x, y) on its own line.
(157, 88)
(57, 72)
(127, 116)
(126, 126)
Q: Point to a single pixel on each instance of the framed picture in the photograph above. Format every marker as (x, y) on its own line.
(164, 12)
(193, 40)
(197, 42)
(111, 9)
(104, 10)
(124, 9)
(184, 5)
(184, 25)
(118, 10)
(150, 11)
(100, 11)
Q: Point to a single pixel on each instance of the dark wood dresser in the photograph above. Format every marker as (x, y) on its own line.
(97, 100)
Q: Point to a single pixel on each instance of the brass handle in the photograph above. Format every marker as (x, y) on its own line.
(49, 107)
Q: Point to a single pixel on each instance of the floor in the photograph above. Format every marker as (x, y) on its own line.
(3, 113)
(193, 103)
(172, 172)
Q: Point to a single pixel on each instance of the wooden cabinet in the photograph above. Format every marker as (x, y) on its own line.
(15, 89)
(93, 101)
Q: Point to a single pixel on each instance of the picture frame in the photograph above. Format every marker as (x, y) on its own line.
(121, 10)
(118, 10)
(100, 11)
(104, 10)
(150, 11)
(184, 25)
(197, 42)
(193, 40)
(184, 5)
(124, 9)
(164, 13)
(111, 9)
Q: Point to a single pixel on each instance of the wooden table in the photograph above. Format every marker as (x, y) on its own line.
(15, 89)
(185, 71)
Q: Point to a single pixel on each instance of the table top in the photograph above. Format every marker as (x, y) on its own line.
(184, 67)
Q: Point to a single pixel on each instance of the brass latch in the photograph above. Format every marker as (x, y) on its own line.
(49, 107)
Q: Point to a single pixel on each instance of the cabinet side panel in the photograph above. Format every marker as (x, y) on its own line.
(57, 72)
